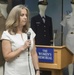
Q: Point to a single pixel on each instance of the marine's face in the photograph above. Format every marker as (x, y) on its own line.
(23, 17)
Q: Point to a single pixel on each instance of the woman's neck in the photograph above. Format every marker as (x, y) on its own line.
(19, 30)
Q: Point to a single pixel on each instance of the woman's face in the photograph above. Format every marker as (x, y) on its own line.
(23, 17)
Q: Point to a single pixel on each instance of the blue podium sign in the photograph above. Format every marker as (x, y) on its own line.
(45, 54)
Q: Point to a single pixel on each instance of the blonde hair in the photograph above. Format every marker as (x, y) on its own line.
(13, 19)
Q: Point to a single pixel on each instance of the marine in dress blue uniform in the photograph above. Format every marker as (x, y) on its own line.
(43, 30)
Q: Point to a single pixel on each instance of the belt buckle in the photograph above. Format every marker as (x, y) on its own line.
(72, 32)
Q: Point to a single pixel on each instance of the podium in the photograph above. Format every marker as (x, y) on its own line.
(62, 58)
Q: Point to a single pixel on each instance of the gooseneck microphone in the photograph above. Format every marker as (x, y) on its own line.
(28, 38)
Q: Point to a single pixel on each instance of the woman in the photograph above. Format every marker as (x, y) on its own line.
(15, 44)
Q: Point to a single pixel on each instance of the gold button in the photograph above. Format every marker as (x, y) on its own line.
(44, 35)
(44, 30)
(44, 26)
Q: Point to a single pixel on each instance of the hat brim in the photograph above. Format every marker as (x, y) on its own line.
(43, 3)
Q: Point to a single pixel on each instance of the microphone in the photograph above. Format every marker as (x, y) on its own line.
(28, 37)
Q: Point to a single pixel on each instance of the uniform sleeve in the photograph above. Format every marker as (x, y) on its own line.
(64, 22)
(32, 33)
(5, 35)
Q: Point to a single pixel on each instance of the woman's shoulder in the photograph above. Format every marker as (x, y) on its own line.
(6, 32)
(5, 35)
(30, 30)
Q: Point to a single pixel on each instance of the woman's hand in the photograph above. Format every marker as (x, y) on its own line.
(37, 72)
(26, 45)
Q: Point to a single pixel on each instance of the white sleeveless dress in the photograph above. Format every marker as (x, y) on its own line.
(19, 66)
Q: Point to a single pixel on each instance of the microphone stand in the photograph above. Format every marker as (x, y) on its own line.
(29, 61)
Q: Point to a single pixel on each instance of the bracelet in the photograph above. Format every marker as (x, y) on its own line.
(37, 70)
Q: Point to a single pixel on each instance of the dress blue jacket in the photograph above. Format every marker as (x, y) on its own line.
(44, 31)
